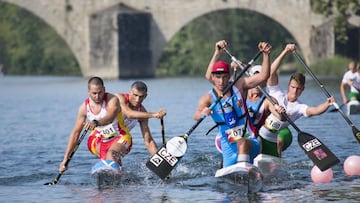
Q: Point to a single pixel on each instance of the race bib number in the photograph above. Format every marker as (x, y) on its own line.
(272, 123)
(236, 133)
(108, 131)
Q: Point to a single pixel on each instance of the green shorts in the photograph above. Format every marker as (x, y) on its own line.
(270, 148)
(354, 95)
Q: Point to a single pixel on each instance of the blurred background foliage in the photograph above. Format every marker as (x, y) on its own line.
(28, 46)
(340, 10)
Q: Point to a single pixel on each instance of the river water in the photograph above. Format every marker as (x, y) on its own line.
(37, 115)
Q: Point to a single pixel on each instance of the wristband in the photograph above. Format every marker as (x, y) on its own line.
(96, 122)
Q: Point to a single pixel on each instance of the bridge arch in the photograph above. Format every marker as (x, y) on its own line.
(73, 21)
(312, 32)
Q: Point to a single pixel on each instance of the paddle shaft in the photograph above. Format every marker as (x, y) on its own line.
(56, 180)
(335, 109)
(162, 131)
(322, 87)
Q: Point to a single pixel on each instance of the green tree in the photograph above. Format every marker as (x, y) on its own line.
(30, 47)
(341, 11)
(189, 52)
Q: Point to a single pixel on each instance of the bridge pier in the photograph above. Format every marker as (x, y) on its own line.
(120, 44)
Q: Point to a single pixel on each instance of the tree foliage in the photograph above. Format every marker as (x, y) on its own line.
(190, 50)
(30, 47)
(341, 11)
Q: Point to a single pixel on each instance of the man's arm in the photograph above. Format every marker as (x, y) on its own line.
(218, 47)
(257, 79)
(149, 142)
(342, 91)
(134, 114)
(321, 108)
(274, 109)
(274, 77)
(203, 107)
(74, 135)
(112, 110)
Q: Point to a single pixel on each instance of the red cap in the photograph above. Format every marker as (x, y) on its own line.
(220, 67)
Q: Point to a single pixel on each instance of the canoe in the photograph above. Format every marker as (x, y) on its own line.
(273, 168)
(353, 107)
(106, 173)
(244, 175)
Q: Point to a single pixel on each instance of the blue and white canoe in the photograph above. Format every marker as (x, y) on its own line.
(244, 175)
(106, 172)
(353, 107)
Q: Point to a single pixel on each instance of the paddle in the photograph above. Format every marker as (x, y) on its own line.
(335, 109)
(319, 154)
(166, 158)
(356, 132)
(56, 180)
(162, 131)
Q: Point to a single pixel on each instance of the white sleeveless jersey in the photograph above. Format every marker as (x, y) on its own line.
(273, 125)
(130, 123)
(107, 131)
(90, 115)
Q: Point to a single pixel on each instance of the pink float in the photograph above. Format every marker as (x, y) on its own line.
(352, 165)
(319, 176)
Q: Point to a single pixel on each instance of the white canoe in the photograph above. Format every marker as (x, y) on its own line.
(272, 168)
(353, 107)
(244, 175)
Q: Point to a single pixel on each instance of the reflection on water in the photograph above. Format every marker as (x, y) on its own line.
(37, 114)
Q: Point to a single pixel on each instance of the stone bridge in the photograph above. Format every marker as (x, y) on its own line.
(125, 38)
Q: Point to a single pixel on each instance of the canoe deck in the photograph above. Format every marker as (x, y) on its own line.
(246, 176)
(353, 108)
(106, 173)
(273, 168)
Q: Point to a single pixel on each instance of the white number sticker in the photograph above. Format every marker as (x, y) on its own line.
(272, 123)
(236, 133)
(108, 131)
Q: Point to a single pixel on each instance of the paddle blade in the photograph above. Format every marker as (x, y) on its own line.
(51, 183)
(319, 154)
(55, 181)
(166, 158)
(356, 133)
